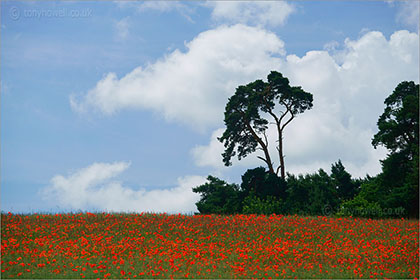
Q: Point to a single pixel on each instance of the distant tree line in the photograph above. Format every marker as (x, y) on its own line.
(392, 193)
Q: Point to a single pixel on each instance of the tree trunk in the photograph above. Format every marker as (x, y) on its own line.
(281, 156)
(268, 160)
(266, 154)
(264, 148)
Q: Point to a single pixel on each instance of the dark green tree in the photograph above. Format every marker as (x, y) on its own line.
(322, 193)
(253, 180)
(218, 197)
(399, 132)
(262, 183)
(312, 194)
(345, 186)
(246, 122)
(399, 124)
(298, 194)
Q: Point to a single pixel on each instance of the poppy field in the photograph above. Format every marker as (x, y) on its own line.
(103, 245)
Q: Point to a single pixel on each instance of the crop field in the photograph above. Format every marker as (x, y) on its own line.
(101, 245)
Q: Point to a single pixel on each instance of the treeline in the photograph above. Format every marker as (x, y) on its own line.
(392, 193)
(314, 194)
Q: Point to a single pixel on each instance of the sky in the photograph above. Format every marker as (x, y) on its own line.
(117, 106)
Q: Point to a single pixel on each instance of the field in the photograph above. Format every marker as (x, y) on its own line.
(87, 245)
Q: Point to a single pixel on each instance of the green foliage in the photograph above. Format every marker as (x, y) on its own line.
(393, 193)
(294, 99)
(311, 194)
(253, 180)
(242, 119)
(399, 132)
(375, 200)
(411, 185)
(345, 186)
(360, 207)
(263, 184)
(218, 197)
(399, 124)
(255, 205)
(246, 128)
(371, 190)
(258, 188)
(298, 195)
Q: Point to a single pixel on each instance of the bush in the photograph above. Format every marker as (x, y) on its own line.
(310, 194)
(360, 207)
(346, 187)
(263, 184)
(218, 197)
(255, 205)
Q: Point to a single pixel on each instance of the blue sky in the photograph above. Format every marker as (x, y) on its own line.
(116, 105)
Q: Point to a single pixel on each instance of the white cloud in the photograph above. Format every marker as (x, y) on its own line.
(349, 89)
(122, 28)
(211, 154)
(331, 46)
(311, 142)
(191, 87)
(260, 13)
(408, 12)
(92, 188)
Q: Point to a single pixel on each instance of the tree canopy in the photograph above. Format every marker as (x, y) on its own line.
(255, 106)
(217, 197)
(399, 132)
(247, 115)
(399, 124)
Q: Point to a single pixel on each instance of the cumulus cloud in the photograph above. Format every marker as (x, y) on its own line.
(92, 187)
(311, 142)
(260, 13)
(211, 154)
(408, 13)
(191, 87)
(331, 46)
(349, 88)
